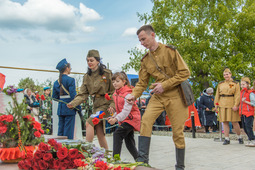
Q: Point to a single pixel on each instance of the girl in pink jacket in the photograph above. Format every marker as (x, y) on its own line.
(127, 115)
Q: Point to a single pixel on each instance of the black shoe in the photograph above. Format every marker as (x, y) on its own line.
(226, 142)
(240, 140)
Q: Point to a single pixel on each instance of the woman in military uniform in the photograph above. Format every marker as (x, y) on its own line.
(226, 102)
(64, 90)
(96, 82)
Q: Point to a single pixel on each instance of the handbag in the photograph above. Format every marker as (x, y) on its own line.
(184, 88)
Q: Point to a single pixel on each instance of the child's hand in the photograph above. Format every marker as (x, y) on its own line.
(112, 120)
(111, 110)
(243, 99)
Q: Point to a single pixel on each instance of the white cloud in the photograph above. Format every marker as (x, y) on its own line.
(130, 32)
(53, 15)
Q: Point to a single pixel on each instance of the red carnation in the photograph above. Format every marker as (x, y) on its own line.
(3, 118)
(3, 128)
(27, 164)
(9, 118)
(37, 125)
(41, 131)
(95, 121)
(101, 116)
(217, 104)
(52, 142)
(62, 153)
(43, 164)
(37, 134)
(47, 157)
(101, 165)
(107, 96)
(57, 146)
(44, 147)
(73, 153)
(126, 168)
(42, 97)
(117, 168)
(79, 163)
(63, 165)
(80, 156)
(38, 155)
(56, 164)
(21, 164)
(37, 97)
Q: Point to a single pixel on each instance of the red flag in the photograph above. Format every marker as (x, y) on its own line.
(2, 81)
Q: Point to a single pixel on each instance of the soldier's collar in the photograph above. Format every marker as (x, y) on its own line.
(158, 48)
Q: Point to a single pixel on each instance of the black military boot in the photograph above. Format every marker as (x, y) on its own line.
(143, 149)
(180, 155)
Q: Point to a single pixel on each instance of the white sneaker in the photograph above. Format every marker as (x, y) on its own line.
(252, 143)
(248, 143)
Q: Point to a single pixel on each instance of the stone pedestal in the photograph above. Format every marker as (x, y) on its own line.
(77, 127)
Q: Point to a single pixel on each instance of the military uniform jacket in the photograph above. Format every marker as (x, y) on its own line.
(227, 94)
(97, 86)
(170, 62)
(69, 84)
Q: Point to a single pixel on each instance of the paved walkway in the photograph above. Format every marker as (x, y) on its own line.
(201, 154)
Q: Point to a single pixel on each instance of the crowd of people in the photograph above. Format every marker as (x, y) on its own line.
(165, 103)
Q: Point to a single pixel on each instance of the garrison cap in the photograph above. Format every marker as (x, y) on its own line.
(246, 79)
(46, 88)
(20, 90)
(93, 53)
(61, 64)
(227, 70)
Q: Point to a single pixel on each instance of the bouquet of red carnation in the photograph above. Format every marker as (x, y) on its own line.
(97, 116)
(53, 155)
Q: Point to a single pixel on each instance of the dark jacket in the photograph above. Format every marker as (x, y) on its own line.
(31, 104)
(206, 101)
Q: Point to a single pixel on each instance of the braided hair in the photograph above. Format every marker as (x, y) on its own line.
(60, 78)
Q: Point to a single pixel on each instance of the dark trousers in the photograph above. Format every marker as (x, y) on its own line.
(248, 126)
(66, 126)
(125, 131)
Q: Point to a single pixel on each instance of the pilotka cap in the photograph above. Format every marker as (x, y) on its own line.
(93, 53)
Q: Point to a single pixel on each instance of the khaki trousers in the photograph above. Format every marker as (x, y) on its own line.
(176, 111)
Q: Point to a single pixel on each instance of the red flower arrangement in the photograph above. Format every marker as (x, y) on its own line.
(19, 132)
(53, 155)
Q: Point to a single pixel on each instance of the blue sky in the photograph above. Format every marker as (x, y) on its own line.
(39, 33)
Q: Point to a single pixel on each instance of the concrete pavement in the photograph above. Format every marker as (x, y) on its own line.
(201, 153)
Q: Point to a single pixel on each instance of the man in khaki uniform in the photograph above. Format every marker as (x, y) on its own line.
(166, 92)
(227, 101)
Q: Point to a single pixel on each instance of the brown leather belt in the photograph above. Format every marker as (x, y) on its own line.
(224, 95)
(97, 95)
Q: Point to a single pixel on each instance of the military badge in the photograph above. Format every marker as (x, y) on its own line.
(231, 85)
(104, 78)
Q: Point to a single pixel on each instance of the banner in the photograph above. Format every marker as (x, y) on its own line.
(2, 81)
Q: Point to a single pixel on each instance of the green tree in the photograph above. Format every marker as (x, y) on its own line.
(209, 35)
(27, 83)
